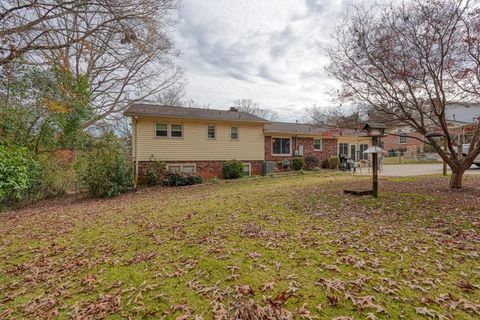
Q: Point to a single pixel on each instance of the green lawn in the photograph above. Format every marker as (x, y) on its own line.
(289, 247)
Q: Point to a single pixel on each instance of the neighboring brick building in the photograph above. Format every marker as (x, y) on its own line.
(403, 143)
(403, 140)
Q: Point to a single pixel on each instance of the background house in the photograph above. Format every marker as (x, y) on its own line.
(463, 112)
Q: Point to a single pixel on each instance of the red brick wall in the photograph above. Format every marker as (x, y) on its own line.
(205, 169)
(329, 148)
(412, 145)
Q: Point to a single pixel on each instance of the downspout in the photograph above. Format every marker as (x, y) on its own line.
(135, 150)
(295, 147)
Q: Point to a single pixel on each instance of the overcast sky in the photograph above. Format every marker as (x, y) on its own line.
(270, 51)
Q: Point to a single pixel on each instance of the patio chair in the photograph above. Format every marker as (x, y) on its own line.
(355, 166)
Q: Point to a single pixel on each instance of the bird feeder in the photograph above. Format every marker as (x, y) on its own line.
(374, 130)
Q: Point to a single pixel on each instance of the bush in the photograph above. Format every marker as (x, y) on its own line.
(154, 171)
(232, 169)
(106, 170)
(297, 163)
(19, 172)
(178, 179)
(56, 177)
(311, 162)
(325, 164)
(333, 162)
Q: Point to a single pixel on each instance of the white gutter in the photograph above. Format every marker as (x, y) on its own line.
(135, 155)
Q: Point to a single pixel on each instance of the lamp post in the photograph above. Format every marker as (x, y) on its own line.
(375, 131)
(436, 135)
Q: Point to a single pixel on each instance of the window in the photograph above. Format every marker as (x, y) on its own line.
(176, 131)
(182, 167)
(174, 167)
(343, 149)
(211, 132)
(234, 133)
(353, 152)
(188, 168)
(247, 167)
(317, 144)
(281, 146)
(161, 130)
(402, 139)
(363, 156)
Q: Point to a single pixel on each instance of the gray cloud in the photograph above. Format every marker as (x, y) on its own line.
(270, 51)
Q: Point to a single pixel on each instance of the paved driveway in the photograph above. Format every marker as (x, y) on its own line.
(404, 170)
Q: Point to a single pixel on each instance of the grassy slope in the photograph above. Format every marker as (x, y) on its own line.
(184, 252)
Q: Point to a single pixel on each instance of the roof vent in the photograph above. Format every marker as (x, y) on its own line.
(233, 109)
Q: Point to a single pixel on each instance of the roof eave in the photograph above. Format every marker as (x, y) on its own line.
(318, 134)
(138, 114)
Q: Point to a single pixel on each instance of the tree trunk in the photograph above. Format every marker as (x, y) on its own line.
(456, 179)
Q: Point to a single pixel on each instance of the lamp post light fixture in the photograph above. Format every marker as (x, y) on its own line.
(375, 131)
(438, 135)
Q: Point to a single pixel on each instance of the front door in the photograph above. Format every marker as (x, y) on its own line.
(343, 149)
(353, 152)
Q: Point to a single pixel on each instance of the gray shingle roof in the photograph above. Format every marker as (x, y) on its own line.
(299, 128)
(306, 129)
(153, 110)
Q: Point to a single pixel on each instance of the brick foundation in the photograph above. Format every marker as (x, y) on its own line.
(329, 148)
(205, 169)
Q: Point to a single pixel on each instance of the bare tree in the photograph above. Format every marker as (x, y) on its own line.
(335, 117)
(123, 47)
(190, 103)
(172, 96)
(252, 107)
(27, 26)
(408, 61)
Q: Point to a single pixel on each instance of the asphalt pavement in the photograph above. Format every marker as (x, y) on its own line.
(405, 170)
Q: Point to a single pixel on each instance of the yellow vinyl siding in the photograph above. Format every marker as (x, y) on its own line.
(134, 136)
(194, 145)
(354, 140)
(357, 141)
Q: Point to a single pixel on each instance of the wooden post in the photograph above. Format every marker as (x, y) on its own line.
(375, 169)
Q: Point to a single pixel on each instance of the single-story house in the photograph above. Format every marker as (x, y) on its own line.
(196, 140)
(284, 141)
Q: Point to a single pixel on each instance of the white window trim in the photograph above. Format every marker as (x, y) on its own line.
(238, 134)
(321, 144)
(169, 130)
(399, 139)
(216, 132)
(362, 156)
(155, 130)
(348, 148)
(282, 154)
(182, 165)
(249, 167)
